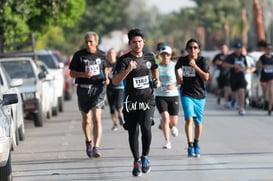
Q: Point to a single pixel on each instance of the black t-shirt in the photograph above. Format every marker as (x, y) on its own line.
(222, 58)
(236, 59)
(266, 73)
(83, 61)
(138, 81)
(110, 75)
(193, 85)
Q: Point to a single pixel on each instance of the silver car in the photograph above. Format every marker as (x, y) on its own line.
(14, 111)
(5, 138)
(31, 90)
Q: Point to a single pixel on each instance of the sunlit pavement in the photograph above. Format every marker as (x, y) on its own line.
(233, 148)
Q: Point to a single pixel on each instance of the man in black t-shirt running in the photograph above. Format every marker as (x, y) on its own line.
(236, 61)
(135, 69)
(88, 66)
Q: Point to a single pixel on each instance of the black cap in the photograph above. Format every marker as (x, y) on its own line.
(237, 45)
(159, 46)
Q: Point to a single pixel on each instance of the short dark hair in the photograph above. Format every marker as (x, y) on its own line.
(135, 32)
(193, 40)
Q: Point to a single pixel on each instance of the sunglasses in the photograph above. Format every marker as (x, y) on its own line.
(192, 47)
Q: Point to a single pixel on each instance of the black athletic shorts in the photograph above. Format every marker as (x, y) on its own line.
(169, 104)
(91, 97)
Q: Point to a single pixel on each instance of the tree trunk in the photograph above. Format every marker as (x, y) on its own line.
(244, 34)
(258, 21)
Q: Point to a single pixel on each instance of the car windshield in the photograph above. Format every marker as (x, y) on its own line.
(49, 60)
(19, 69)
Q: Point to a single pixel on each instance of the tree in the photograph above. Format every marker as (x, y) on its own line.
(258, 20)
(104, 16)
(19, 18)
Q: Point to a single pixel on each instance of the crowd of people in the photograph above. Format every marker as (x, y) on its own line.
(136, 83)
(234, 72)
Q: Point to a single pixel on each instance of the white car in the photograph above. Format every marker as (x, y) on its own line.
(5, 138)
(31, 89)
(14, 111)
(47, 89)
(56, 69)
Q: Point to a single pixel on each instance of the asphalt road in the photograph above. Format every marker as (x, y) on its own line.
(233, 148)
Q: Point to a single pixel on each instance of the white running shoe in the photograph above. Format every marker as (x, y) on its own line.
(242, 111)
(167, 145)
(174, 131)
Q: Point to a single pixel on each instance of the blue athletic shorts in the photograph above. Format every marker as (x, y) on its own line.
(193, 108)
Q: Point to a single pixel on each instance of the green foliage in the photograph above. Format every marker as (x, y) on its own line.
(104, 16)
(20, 17)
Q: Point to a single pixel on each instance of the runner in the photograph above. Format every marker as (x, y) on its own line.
(88, 66)
(167, 100)
(195, 71)
(135, 69)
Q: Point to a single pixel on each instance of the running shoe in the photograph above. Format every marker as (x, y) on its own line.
(89, 148)
(136, 170)
(174, 131)
(242, 111)
(96, 152)
(191, 151)
(115, 127)
(145, 164)
(197, 150)
(121, 121)
(167, 145)
(227, 105)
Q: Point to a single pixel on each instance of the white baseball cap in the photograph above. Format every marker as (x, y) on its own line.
(166, 49)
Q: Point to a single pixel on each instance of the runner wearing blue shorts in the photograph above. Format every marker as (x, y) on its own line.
(195, 71)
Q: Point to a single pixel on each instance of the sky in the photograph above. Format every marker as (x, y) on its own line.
(165, 6)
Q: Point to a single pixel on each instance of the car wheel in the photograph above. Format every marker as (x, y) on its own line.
(21, 131)
(55, 111)
(49, 114)
(39, 118)
(17, 136)
(14, 138)
(6, 171)
(61, 104)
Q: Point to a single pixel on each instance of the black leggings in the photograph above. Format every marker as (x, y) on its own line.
(115, 98)
(133, 120)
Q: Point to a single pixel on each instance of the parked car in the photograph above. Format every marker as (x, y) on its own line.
(56, 69)
(5, 138)
(31, 90)
(14, 111)
(47, 89)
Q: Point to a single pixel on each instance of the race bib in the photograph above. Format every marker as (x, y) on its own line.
(141, 82)
(188, 71)
(268, 69)
(95, 69)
